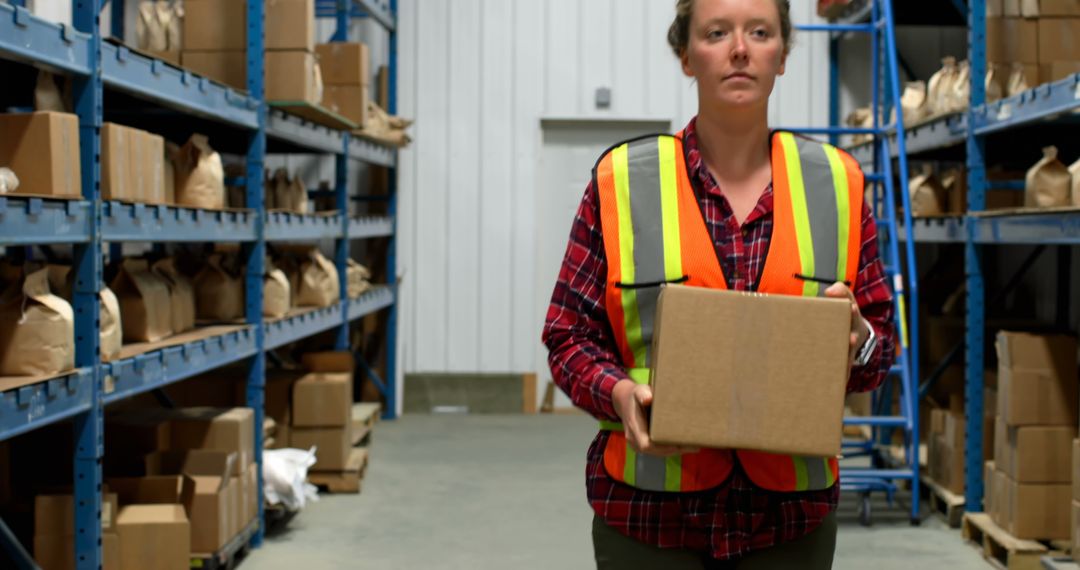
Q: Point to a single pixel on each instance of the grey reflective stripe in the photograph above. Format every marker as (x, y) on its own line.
(816, 478)
(643, 166)
(821, 207)
(651, 472)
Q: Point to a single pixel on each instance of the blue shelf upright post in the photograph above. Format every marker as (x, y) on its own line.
(255, 252)
(341, 17)
(341, 246)
(976, 307)
(391, 250)
(88, 426)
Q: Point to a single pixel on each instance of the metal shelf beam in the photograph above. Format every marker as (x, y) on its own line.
(30, 39)
(26, 221)
(371, 227)
(291, 329)
(372, 301)
(293, 130)
(287, 226)
(31, 407)
(155, 223)
(1041, 103)
(372, 152)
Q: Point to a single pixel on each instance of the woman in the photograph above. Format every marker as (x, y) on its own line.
(742, 199)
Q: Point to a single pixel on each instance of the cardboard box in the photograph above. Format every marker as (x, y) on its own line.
(290, 24)
(215, 25)
(153, 168)
(701, 373)
(1011, 8)
(228, 67)
(210, 509)
(329, 361)
(1002, 513)
(290, 76)
(1001, 437)
(322, 400)
(333, 445)
(344, 63)
(1039, 512)
(1038, 454)
(988, 487)
(235, 505)
(1076, 530)
(43, 151)
(1049, 8)
(153, 490)
(116, 182)
(55, 514)
(252, 494)
(1076, 469)
(1059, 39)
(56, 552)
(1012, 40)
(215, 428)
(154, 537)
(128, 439)
(349, 101)
(937, 421)
(1058, 70)
(1037, 397)
(1026, 351)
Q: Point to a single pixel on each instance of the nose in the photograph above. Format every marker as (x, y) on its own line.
(739, 49)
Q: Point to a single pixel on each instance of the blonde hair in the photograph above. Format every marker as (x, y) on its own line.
(679, 33)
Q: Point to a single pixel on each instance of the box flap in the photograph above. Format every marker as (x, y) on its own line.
(195, 462)
(143, 514)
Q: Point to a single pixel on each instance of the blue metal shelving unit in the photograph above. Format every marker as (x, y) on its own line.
(88, 223)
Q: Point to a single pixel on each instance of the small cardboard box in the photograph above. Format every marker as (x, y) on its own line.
(210, 509)
(290, 24)
(215, 428)
(1012, 40)
(1059, 39)
(1055, 354)
(228, 67)
(152, 166)
(154, 537)
(777, 386)
(1058, 70)
(322, 400)
(344, 63)
(116, 182)
(1039, 512)
(349, 101)
(1049, 8)
(43, 151)
(1036, 397)
(55, 514)
(215, 25)
(57, 552)
(333, 445)
(290, 76)
(1038, 454)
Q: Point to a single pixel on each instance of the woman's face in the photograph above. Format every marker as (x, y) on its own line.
(735, 51)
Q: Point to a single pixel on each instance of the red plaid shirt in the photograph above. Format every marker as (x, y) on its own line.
(737, 517)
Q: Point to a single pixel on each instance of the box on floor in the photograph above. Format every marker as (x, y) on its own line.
(1032, 511)
(154, 537)
(333, 446)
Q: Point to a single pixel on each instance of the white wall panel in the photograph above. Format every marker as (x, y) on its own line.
(478, 76)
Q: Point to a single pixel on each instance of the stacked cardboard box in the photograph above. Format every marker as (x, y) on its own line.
(1035, 428)
(54, 532)
(43, 151)
(322, 409)
(132, 165)
(215, 40)
(347, 75)
(1037, 35)
(946, 449)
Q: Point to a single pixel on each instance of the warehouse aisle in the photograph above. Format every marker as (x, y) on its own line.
(467, 492)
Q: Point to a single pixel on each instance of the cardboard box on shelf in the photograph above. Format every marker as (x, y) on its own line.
(43, 151)
(152, 490)
(1011, 8)
(228, 67)
(215, 429)
(333, 445)
(1038, 454)
(1059, 39)
(329, 361)
(154, 537)
(322, 399)
(56, 552)
(1036, 397)
(349, 101)
(55, 514)
(1028, 351)
(215, 25)
(1058, 70)
(1012, 40)
(344, 63)
(150, 183)
(1049, 8)
(116, 182)
(995, 8)
(290, 76)
(1038, 511)
(699, 372)
(290, 24)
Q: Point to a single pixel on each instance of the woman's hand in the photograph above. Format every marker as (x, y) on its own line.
(631, 401)
(860, 330)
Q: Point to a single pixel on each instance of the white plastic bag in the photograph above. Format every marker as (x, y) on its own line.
(285, 473)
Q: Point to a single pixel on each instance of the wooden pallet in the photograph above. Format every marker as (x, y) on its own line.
(226, 558)
(1000, 548)
(347, 481)
(364, 417)
(1059, 562)
(944, 502)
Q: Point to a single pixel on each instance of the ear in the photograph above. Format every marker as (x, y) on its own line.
(684, 59)
(783, 63)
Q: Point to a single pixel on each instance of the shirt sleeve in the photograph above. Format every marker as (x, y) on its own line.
(875, 300)
(583, 354)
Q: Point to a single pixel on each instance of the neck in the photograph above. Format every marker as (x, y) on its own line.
(734, 144)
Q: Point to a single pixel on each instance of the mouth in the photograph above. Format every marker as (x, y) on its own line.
(739, 75)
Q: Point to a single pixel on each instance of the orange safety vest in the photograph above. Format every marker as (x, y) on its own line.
(654, 233)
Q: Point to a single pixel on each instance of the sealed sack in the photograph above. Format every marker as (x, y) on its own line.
(357, 278)
(219, 292)
(1074, 172)
(1018, 82)
(200, 177)
(37, 335)
(960, 92)
(954, 182)
(927, 195)
(277, 294)
(939, 90)
(47, 94)
(62, 282)
(913, 102)
(145, 307)
(1048, 183)
(319, 285)
(181, 295)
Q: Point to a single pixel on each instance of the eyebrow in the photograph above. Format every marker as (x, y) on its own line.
(752, 22)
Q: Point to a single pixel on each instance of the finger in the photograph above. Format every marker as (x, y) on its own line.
(643, 395)
(837, 290)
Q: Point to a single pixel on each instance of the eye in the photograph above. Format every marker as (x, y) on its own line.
(760, 33)
(715, 34)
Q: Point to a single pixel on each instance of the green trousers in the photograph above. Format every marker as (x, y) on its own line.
(615, 551)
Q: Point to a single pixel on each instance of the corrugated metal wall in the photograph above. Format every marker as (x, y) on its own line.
(478, 76)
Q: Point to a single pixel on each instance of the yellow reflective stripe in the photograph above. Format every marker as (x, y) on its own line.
(610, 426)
(829, 478)
(629, 471)
(903, 321)
(801, 479)
(843, 210)
(800, 212)
(669, 207)
(621, 171)
(639, 375)
(673, 473)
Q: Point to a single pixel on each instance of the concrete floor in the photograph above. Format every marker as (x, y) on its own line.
(468, 492)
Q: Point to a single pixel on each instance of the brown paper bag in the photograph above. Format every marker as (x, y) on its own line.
(200, 177)
(291, 268)
(913, 103)
(954, 181)
(219, 293)
(278, 190)
(181, 295)
(927, 195)
(171, 151)
(1074, 172)
(47, 95)
(1017, 81)
(298, 199)
(277, 295)
(357, 277)
(61, 283)
(151, 26)
(995, 88)
(1048, 183)
(960, 93)
(38, 332)
(319, 285)
(940, 87)
(862, 118)
(145, 308)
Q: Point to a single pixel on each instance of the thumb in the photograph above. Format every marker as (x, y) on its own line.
(643, 395)
(836, 290)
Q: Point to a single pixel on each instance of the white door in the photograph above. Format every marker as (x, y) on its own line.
(568, 153)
